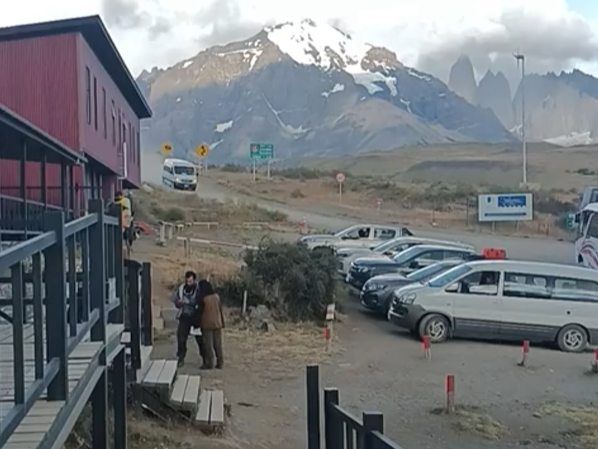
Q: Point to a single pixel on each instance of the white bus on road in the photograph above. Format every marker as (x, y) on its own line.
(179, 174)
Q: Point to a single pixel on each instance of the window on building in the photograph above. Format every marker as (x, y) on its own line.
(88, 95)
(120, 133)
(104, 117)
(113, 124)
(138, 147)
(131, 143)
(95, 102)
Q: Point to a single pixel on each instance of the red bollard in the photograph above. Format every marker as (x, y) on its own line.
(426, 347)
(595, 362)
(450, 393)
(524, 352)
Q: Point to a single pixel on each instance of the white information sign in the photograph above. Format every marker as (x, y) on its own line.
(505, 207)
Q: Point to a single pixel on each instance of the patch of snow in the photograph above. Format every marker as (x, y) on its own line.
(370, 79)
(255, 55)
(295, 132)
(442, 95)
(417, 74)
(407, 105)
(572, 139)
(178, 100)
(337, 88)
(308, 43)
(187, 64)
(221, 127)
(215, 144)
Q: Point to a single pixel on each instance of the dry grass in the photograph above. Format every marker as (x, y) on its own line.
(288, 345)
(469, 419)
(160, 204)
(584, 418)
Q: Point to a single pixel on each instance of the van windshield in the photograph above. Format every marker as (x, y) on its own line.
(449, 276)
(179, 170)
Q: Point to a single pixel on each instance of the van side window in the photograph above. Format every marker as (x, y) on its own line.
(575, 290)
(384, 233)
(524, 285)
(593, 228)
(480, 283)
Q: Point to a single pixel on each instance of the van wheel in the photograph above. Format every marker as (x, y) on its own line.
(572, 338)
(436, 327)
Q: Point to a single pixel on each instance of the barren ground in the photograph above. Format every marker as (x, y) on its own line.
(548, 404)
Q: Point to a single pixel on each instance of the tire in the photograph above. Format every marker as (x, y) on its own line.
(436, 326)
(572, 338)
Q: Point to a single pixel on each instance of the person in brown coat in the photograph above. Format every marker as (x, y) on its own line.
(211, 322)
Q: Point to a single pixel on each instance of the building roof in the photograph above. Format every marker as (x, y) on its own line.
(95, 33)
(25, 128)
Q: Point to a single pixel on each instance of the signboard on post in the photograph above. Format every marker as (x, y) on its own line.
(505, 207)
(340, 178)
(260, 152)
(166, 148)
(202, 151)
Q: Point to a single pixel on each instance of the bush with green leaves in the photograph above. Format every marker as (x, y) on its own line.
(294, 282)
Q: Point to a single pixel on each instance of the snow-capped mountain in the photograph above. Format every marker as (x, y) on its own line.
(308, 88)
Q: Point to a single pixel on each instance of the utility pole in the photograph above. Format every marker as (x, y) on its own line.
(521, 62)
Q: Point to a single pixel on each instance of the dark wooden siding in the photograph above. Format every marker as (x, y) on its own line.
(38, 81)
(95, 141)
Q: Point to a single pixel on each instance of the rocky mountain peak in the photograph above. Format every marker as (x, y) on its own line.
(494, 93)
(462, 79)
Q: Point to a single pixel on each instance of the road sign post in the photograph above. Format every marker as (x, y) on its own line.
(202, 151)
(166, 148)
(340, 178)
(260, 152)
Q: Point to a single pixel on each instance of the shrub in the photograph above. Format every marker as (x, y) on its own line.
(297, 194)
(233, 168)
(172, 214)
(294, 282)
(300, 173)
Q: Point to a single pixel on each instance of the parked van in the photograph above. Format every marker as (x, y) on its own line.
(504, 300)
(179, 174)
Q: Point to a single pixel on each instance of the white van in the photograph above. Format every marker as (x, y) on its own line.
(179, 174)
(504, 300)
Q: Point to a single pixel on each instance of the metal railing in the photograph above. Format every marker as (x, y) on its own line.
(138, 307)
(68, 266)
(342, 430)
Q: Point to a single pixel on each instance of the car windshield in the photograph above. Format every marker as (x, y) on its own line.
(179, 170)
(386, 246)
(429, 271)
(407, 255)
(449, 276)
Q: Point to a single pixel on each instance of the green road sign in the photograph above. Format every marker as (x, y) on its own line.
(261, 151)
(570, 220)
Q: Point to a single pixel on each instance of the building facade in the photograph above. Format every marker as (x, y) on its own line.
(67, 78)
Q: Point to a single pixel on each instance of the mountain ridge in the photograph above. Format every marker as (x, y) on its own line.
(309, 89)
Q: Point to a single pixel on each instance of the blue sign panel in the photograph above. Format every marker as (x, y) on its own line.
(505, 207)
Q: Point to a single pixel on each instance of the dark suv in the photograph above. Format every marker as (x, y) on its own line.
(412, 259)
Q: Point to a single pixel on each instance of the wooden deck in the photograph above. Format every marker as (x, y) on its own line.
(82, 375)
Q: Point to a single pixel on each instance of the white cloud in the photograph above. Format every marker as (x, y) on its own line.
(179, 28)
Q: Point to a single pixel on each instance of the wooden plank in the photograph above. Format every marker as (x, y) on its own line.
(203, 411)
(217, 410)
(168, 374)
(178, 391)
(192, 393)
(153, 373)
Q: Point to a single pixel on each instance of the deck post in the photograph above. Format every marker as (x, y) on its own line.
(119, 400)
(99, 413)
(117, 256)
(56, 334)
(23, 188)
(147, 311)
(98, 270)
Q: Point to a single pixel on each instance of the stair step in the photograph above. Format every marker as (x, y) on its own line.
(178, 391)
(160, 374)
(210, 413)
(192, 393)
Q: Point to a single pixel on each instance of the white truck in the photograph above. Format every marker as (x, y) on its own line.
(362, 236)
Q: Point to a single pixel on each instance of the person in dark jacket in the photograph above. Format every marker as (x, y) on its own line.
(211, 322)
(186, 299)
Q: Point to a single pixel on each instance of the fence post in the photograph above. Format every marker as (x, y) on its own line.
(98, 270)
(56, 336)
(313, 406)
(134, 314)
(120, 312)
(372, 422)
(147, 309)
(333, 428)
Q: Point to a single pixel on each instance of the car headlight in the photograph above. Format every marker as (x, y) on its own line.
(408, 298)
(177, 179)
(193, 181)
(374, 287)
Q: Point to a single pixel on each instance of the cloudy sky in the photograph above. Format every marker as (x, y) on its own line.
(427, 34)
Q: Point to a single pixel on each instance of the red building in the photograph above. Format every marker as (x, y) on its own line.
(67, 78)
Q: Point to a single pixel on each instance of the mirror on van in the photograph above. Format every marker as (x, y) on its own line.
(453, 288)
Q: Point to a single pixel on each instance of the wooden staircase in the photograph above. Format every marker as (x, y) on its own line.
(205, 408)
